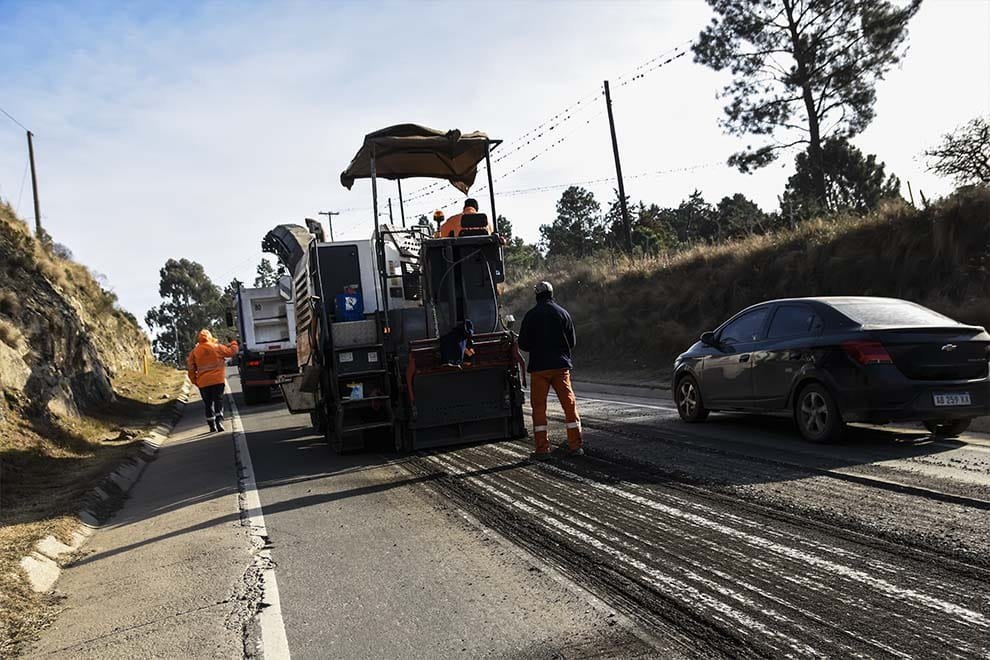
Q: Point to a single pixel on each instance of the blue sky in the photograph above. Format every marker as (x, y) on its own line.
(190, 129)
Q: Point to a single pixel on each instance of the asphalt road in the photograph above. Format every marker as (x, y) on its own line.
(727, 539)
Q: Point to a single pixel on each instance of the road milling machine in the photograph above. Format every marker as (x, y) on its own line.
(401, 338)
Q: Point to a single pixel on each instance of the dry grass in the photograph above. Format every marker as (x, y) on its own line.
(47, 466)
(10, 334)
(636, 315)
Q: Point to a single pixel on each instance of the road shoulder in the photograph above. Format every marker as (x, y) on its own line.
(165, 577)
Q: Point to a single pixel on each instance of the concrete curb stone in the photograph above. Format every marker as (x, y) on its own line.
(42, 565)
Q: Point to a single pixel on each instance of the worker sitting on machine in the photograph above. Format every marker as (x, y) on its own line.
(453, 226)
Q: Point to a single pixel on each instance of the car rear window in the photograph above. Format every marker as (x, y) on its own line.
(890, 313)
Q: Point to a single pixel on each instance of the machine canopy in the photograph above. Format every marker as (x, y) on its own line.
(410, 150)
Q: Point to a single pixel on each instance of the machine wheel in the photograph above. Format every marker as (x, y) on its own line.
(687, 396)
(256, 395)
(947, 428)
(319, 422)
(817, 415)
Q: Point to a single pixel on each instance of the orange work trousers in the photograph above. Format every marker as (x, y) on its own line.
(540, 384)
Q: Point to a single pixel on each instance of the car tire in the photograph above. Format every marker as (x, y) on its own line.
(687, 397)
(817, 416)
(947, 428)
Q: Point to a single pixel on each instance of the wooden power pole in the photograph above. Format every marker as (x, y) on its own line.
(618, 172)
(34, 186)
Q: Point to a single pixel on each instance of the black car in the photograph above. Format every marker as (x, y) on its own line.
(834, 360)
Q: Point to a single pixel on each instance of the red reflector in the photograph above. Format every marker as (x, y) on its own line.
(273, 347)
(254, 363)
(867, 352)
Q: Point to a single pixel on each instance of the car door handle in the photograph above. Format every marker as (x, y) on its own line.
(744, 357)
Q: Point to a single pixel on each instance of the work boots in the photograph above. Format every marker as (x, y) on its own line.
(213, 424)
(219, 421)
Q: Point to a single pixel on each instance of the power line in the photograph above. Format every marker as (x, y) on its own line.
(11, 118)
(569, 112)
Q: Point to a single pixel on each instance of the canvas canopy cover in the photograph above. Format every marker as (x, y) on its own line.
(410, 150)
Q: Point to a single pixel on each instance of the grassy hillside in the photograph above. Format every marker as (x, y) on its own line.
(635, 316)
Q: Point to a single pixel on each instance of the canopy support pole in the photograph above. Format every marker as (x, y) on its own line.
(402, 210)
(491, 189)
(379, 244)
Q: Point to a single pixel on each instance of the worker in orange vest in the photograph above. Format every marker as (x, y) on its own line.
(547, 334)
(205, 367)
(452, 226)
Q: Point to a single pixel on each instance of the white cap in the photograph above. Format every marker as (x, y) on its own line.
(543, 287)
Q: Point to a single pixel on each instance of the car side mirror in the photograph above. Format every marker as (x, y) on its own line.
(708, 339)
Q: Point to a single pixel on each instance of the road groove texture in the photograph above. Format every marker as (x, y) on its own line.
(718, 577)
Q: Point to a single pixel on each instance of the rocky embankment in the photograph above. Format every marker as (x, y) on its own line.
(62, 338)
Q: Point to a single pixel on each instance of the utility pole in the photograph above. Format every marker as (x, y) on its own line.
(618, 171)
(34, 185)
(329, 215)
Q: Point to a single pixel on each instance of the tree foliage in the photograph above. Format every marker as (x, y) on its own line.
(518, 254)
(579, 228)
(806, 69)
(268, 275)
(853, 182)
(190, 302)
(963, 155)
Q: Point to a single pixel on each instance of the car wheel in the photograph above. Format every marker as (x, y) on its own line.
(687, 396)
(947, 428)
(817, 416)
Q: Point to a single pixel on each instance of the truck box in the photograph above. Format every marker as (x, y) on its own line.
(267, 323)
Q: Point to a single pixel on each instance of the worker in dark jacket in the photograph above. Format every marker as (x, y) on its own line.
(547, 334)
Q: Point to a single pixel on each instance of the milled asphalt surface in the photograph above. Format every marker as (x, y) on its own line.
(163, 579)
(371, 565)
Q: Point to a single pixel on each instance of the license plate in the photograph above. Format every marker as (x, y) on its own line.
(953, 399)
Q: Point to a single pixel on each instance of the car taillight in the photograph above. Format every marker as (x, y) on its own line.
(867, 352)
(254, 363)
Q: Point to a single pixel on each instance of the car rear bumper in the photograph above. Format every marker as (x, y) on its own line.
(912, 401)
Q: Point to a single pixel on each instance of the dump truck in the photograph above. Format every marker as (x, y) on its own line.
(401, 336)
(266, 320)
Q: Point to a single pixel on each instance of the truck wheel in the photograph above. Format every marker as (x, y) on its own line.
(817, 415)
(947, 428)
(687, 396)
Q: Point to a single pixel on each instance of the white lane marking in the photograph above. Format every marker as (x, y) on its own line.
(274, 643)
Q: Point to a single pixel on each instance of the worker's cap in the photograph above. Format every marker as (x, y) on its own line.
(472, 202)
(438, 213)
(543, 287)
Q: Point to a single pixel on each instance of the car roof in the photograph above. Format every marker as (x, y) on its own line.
(835, 299)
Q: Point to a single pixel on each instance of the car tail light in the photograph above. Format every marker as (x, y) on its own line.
(867, 352)
(254, 363)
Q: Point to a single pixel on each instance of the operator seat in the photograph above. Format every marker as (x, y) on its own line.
(475, 224)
